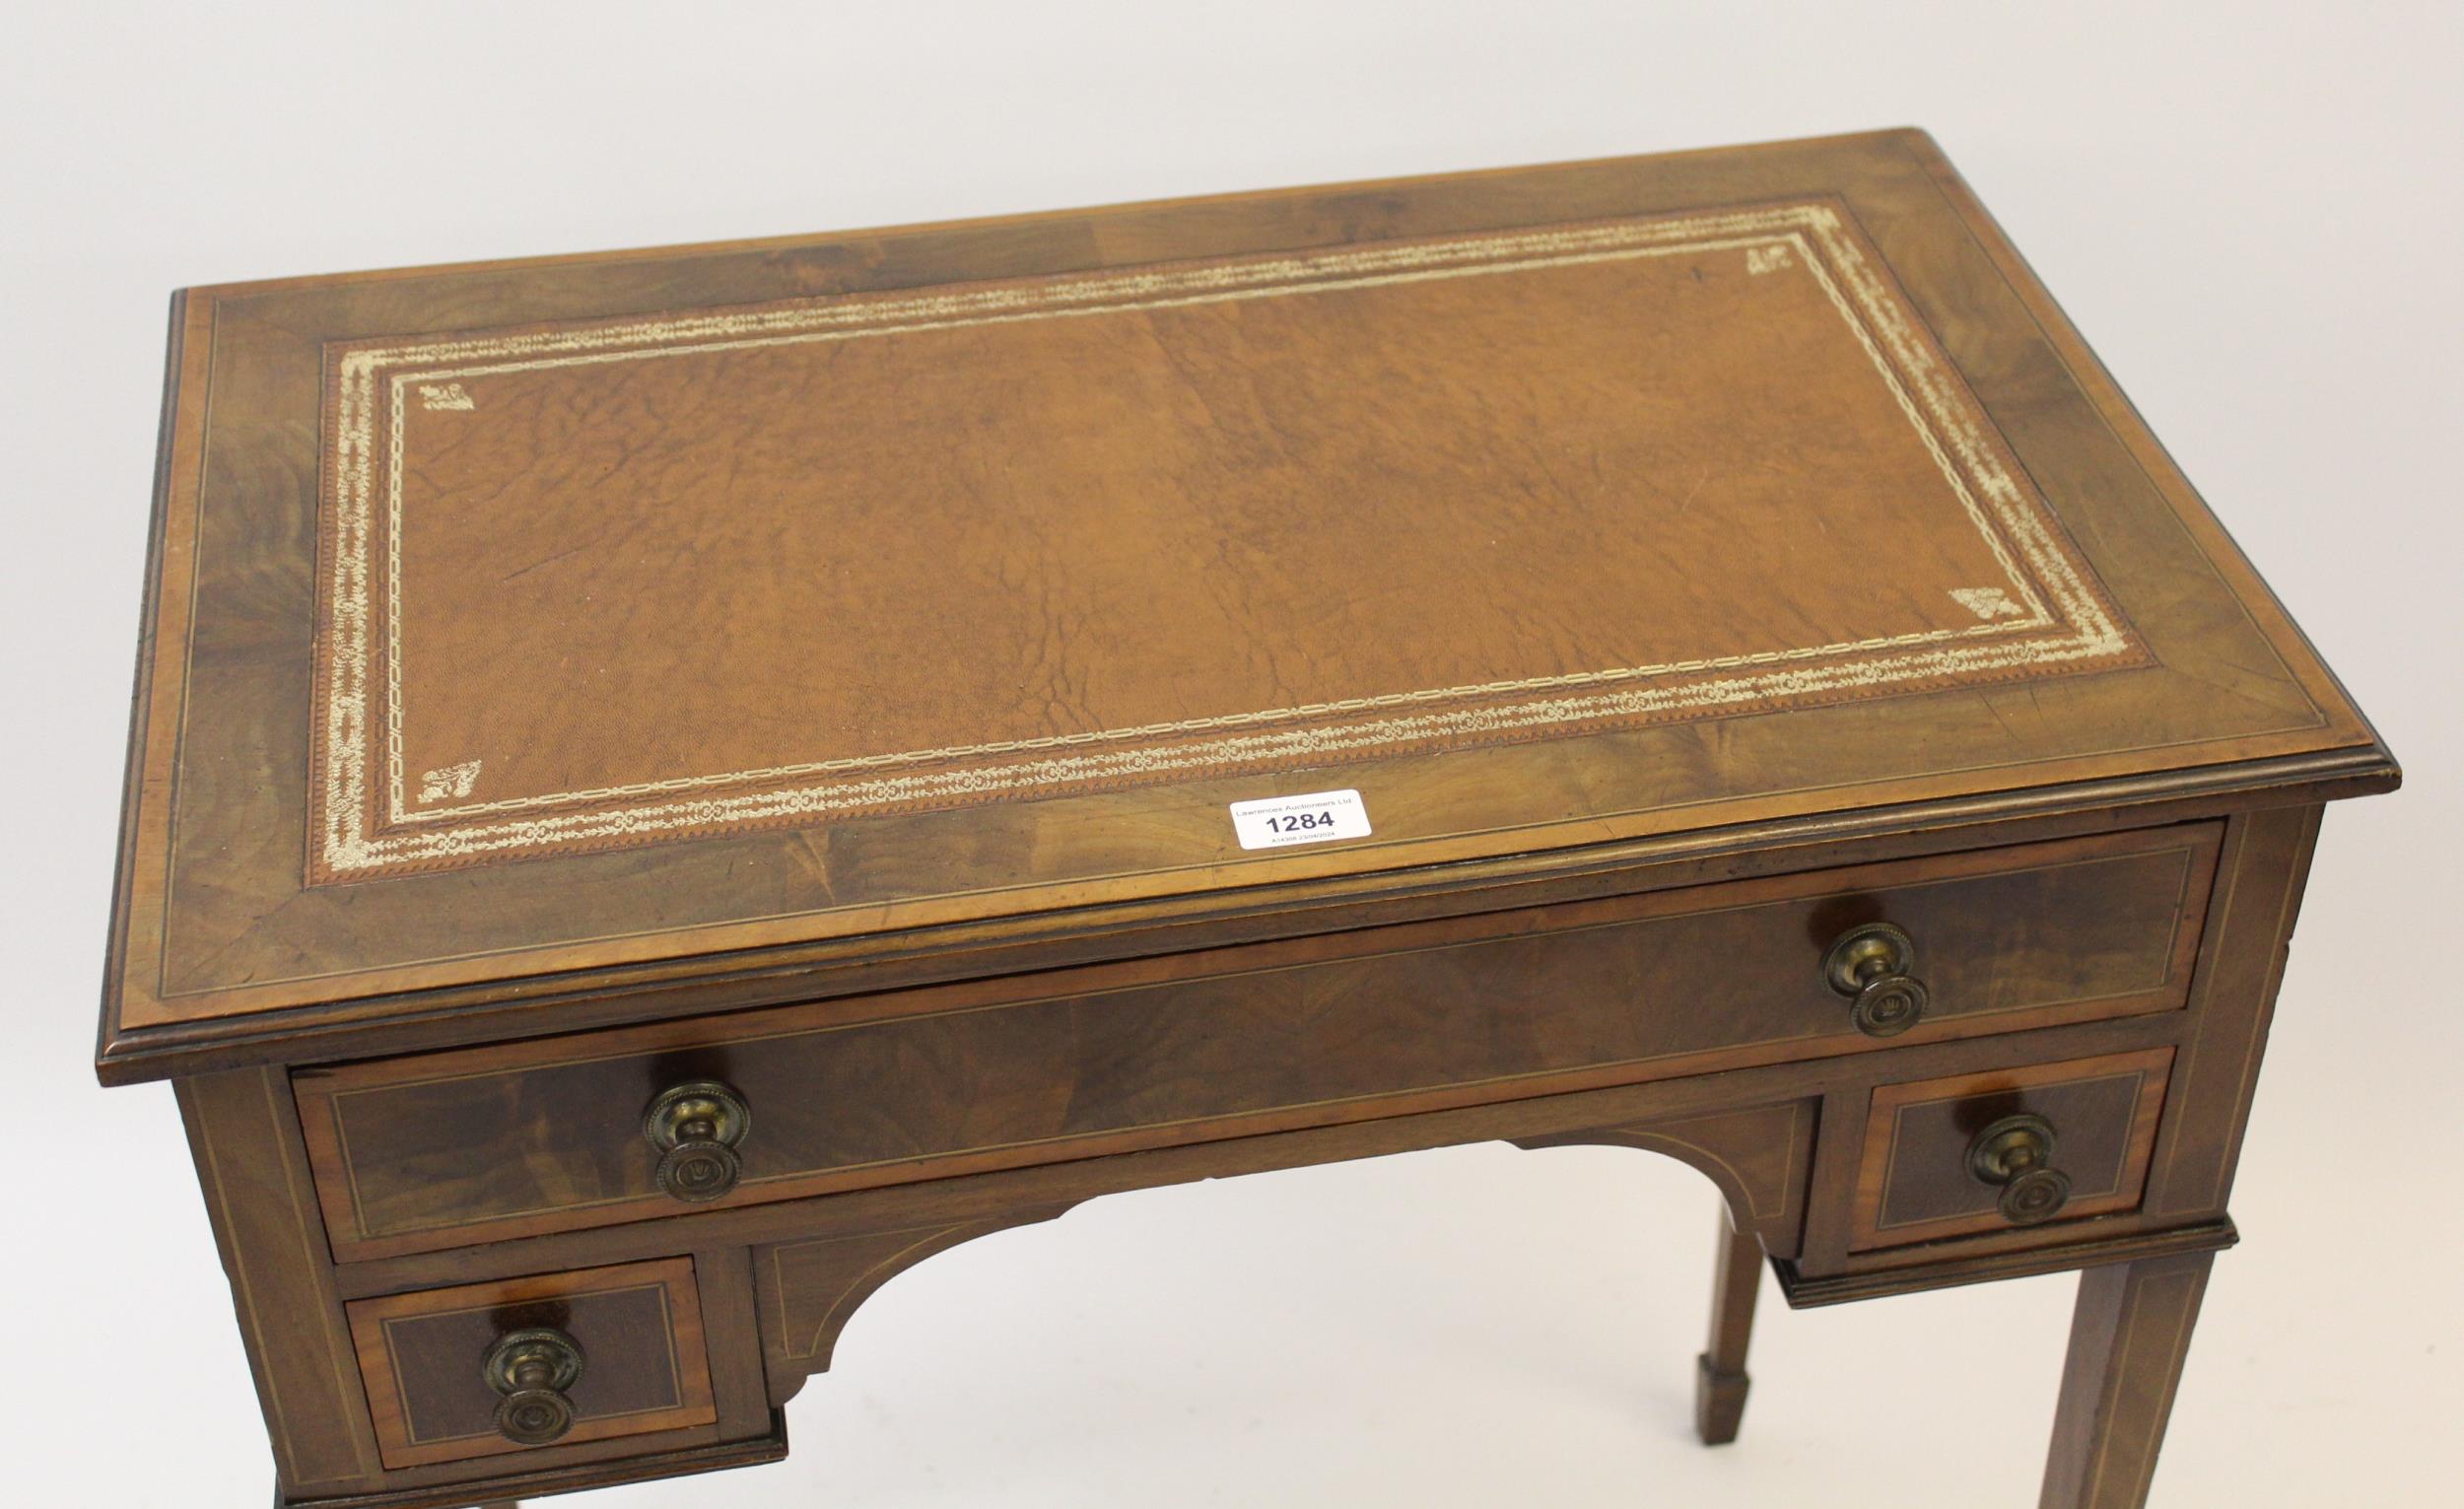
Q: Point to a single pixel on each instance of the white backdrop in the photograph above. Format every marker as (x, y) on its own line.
(2250, 207)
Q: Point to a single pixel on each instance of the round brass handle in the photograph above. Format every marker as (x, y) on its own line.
(696, 1128)
(1874, 967)
(2017, 1153)
(532, 1369)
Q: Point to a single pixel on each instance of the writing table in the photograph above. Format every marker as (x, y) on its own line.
(668, 788)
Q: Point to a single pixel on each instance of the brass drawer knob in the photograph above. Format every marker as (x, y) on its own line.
(532, 1369)
(2017, 1153)
(696, 1128)
(1874, 967)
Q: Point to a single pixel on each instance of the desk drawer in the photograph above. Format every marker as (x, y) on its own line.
(442, 1149)
(2008, 1150)
(534, 1364)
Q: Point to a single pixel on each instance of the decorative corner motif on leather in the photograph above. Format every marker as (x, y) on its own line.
(453, 781)
(1988, 602)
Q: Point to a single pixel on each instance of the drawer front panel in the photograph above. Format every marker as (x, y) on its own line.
(446, 1148)
(1921, 1179)
(636, 1332)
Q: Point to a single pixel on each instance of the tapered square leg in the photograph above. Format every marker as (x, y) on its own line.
(1720, 1380)
(2129, 1336)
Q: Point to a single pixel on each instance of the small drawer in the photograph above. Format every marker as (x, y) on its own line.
(2010, 1150)
(637, 1123)
(525, 1363)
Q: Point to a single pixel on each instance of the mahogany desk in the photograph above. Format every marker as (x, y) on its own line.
(670, 786)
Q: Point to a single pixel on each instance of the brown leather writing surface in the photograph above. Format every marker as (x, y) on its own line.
(673, 618)
(619, 582)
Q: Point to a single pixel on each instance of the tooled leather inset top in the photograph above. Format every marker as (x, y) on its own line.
(627, 581)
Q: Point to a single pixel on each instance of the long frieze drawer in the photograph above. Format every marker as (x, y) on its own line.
(442, 1149)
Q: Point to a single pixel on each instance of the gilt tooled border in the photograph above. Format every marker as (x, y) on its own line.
(359, 666)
